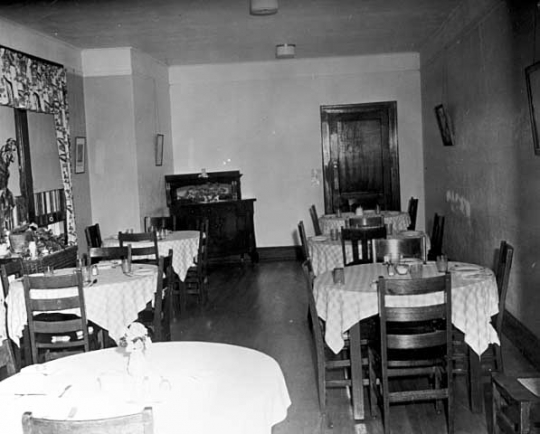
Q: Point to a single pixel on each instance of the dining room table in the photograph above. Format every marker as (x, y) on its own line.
(343, 305)
(327, 253)
(192, 387)
(184, 244)
(112, 298)
(396, 220)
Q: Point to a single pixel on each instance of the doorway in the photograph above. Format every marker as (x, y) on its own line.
(360, 156)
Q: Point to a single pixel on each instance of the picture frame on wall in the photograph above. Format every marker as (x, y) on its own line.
(445, 127)
(159, 149)
(80, 145)
(532, 78)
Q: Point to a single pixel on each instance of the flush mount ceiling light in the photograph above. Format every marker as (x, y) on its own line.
(285, 51)
(263, 7)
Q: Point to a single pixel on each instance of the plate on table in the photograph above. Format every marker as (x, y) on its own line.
(391, 213)
(319, 238)
(105, 265)
(466, 268)
(410, 234)
(143, 271)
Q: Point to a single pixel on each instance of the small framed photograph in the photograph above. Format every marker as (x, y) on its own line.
(445, 127)
(532, 77)
(159, 149)
(80, 145)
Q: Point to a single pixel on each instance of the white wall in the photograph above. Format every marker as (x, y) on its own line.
(263, 119)
(126, 104)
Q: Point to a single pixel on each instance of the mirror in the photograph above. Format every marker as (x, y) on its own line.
(34, 172)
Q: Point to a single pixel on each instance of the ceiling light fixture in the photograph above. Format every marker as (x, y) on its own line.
(263, 7)
(285, 51)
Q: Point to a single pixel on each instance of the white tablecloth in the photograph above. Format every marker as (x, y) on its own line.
(327, 254)
(192, 387)
(399, 220)
(474, 301)
(184, 244)
(113, 302)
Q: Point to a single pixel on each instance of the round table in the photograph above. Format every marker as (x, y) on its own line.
(192, 387)
(184, 245)
(112, 302)
(400, 220)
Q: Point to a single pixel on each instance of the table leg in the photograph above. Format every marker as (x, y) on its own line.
(475, 382)
(356, 373)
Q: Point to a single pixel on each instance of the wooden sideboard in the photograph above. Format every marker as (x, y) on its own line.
(217, 197)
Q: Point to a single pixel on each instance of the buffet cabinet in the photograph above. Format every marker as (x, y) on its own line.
(216, 196)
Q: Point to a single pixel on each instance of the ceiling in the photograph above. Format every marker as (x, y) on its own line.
(180, 32)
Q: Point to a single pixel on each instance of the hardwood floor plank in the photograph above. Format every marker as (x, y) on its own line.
(263, 306)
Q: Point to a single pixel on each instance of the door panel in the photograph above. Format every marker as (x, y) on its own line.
(360, 156)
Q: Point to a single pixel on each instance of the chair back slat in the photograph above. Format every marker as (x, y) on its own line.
(303, 240)
(437, 236)
(413, 211)
(502, 274)
(96, 254)
(138, 423)
(93, 235)
(315, 220)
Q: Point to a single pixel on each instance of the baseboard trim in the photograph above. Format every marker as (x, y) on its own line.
(281, 253)
(523, 339)
(266, 254)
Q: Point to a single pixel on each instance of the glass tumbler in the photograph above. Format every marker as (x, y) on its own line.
(442, 263)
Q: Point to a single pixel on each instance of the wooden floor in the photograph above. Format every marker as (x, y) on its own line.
(263, 307)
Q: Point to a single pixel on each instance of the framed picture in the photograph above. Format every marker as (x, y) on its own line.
(80, 144)
(445, 127)
(159, 149)
(532, 77)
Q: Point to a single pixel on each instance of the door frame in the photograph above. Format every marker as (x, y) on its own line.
(394, 195)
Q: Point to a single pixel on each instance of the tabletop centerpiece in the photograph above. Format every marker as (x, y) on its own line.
(136, 343)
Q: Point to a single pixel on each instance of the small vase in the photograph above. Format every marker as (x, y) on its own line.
(137, 364)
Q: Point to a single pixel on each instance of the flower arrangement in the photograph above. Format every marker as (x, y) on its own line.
(135, 338)
(46, 241)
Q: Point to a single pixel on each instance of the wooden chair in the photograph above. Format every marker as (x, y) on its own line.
(414, 342)
(366, 221)
(157, 316)
(325, 359)
(157, 223)
(138, 423)
(196, 281)
(97, 254)
(491, 360)
(315, 220)
(360, 240)
(512, 403)
(413, 211)
(93, 236)
(436, 237)
(8, 271)
(57, 333)
(144, 247)
(394, 248)
(8, 366)
(303, 240)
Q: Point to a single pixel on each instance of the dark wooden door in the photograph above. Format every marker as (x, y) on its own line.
(360, 154)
